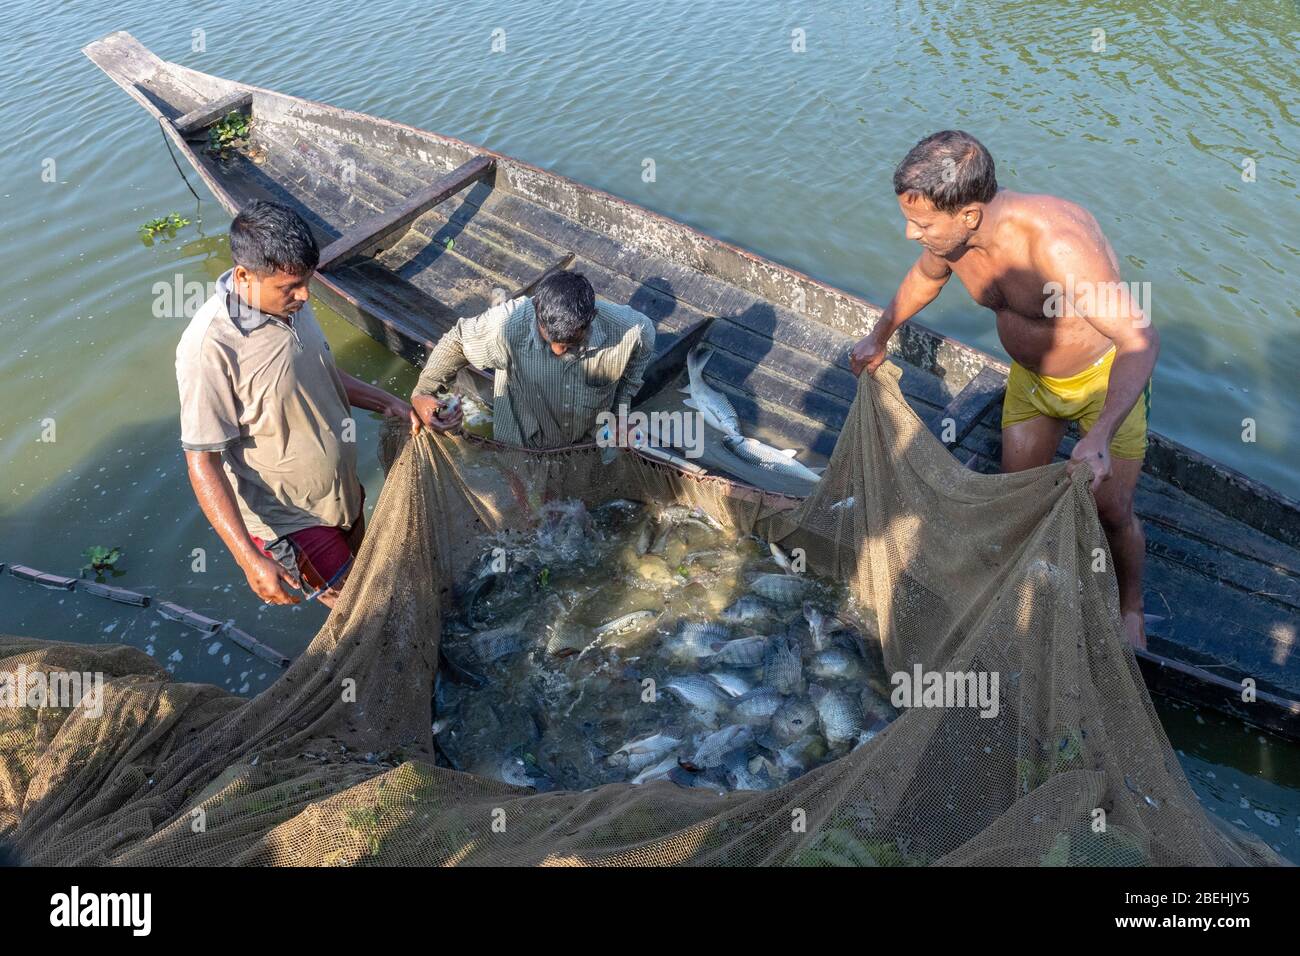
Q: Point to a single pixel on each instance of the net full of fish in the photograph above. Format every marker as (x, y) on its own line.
(638, 642)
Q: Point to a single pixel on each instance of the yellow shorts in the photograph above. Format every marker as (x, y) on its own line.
(1078, 398)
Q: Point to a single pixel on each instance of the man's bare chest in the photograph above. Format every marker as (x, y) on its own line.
(1004, 288)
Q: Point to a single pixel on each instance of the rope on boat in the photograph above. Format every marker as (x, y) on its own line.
(169, 610)
(162, 129)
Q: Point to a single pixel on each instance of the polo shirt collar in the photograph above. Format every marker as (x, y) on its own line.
(246, 318)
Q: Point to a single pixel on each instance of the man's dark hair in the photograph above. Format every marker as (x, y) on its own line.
(565, 304)
(951, 169)
(267, 237)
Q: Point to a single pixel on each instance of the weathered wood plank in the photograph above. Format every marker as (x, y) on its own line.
(671, 349)
(372, 231)
(198, 120)
(970, 405)
(558, 265)
(1199, 686)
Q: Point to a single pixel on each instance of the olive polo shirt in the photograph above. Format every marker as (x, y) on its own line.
(265, 392)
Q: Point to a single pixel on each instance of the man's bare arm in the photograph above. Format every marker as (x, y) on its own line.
(371, 397)
(217, 499)
(922, 284)
(1079, 261)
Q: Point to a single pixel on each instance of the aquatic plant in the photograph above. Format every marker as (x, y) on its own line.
(166, 226)
(229, 132)
(101, 560)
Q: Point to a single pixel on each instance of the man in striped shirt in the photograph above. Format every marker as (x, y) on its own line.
(560, 358)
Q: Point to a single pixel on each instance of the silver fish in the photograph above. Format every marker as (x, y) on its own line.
(819, 625)
(734, 684)
(793, 719)
(645, 535)
(839, 714)
(777, 461)
(636, 755)
(478, 589)
(758, 705)
(742, 652)
(497, 643)
(836, 663)
(739, 774)
(657, 771)
(844, 504)
(518, 772)
(799, 756)
(782, 559)
(785, 589)
(748, 610)
(695, 639)
(651, 744)
(636, 621)
(698, 692)
(706, 399)
(661, 538)
(716, 745)
(783, 666)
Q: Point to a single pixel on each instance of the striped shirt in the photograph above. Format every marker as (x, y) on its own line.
(542, 400)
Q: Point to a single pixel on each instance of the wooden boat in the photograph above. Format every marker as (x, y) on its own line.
(418, 229)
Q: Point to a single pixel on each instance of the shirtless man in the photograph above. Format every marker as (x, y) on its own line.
(1082, 349)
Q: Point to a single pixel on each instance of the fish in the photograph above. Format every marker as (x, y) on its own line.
(835, 663)
(661, 537)
(734, 684)
(518, 772)
(708, 401)
(742, 652)
(778, 461)
(819, 625)
(748, 610)
(635, 622)
(782, 559)
(658, 771)
(477, 416)
(457, 672)
(478, 589)
(652, 744)
(499, 642)
(787, 589)
(710, 780)
(713, 747)
(838, 713)
(844, 504)
(638, 754)
(783, 666)
(698, 692)
(645, 535)
(567, 638)
(740, 776)
(800, 755)
(793, 719)
(758, 706)
(695, 639)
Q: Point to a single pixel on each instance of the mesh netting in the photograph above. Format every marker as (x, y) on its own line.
(334, 763)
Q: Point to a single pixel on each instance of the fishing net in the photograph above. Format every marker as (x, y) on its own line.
(334, 763)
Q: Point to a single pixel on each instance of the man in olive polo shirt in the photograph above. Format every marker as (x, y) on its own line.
(559, 357)
(266, 416)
